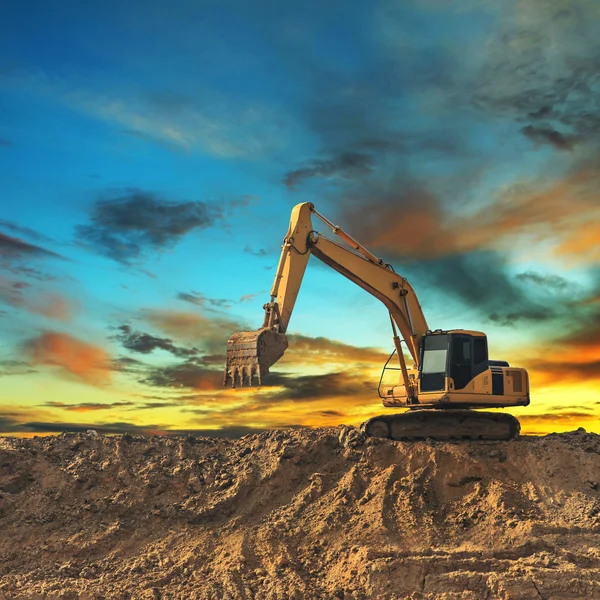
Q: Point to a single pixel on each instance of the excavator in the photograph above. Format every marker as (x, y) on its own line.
(450, 375)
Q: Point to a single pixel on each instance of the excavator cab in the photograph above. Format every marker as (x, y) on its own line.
(455, 371)
(452, 359)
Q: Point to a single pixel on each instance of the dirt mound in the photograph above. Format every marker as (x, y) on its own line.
(319, 513)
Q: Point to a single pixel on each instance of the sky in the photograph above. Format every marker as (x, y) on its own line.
(151, 153)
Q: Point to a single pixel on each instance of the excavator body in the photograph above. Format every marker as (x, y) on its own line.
(456, 372)
(451, 372)
(456, 375)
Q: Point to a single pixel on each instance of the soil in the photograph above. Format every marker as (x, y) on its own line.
(299, 514)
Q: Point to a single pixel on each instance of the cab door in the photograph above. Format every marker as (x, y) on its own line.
(434, 361)
(461, 360)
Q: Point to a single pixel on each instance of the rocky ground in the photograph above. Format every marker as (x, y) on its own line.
(301, 514)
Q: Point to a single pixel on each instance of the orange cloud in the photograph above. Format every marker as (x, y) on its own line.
(569, 362)
(566, 212)
(86, 362)
(414, 224)
(305, 350)
(574, 356)
(411, 223)
(57, 308)
(185, 375)
(593, 300)
(20, 294)
(210, 333)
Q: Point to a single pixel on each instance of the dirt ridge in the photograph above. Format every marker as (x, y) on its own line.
(299, 513)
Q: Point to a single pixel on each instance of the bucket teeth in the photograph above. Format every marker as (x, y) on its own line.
(243, 374)
(250, 354)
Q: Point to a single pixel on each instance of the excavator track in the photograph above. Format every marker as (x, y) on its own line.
(443, 424)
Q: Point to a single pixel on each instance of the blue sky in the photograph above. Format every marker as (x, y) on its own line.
(150, 154)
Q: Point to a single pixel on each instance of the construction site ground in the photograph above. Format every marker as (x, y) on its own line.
(299, 514)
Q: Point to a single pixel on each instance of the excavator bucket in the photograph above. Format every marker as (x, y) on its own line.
(252, 353)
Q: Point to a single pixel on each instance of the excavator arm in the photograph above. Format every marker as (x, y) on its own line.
(252, 353)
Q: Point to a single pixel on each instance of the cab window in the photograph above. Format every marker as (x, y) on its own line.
(480, 353)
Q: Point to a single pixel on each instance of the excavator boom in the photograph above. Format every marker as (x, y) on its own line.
(250, 354)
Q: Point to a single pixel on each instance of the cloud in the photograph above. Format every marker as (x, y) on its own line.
(127, 227)
(542, 62)
(200, 300)
(184, 375)
(12, 247)
(250, 297)
(87, 406)
(587, 332)
(144, 343)
(211, 123)
(26, 231)
(56, 307)
(126, 364)
(538, 213)
(401, 219)
(176, 145)
(590, 300)
(21, 295)
(287, 397)
(321, 350)
(209, 334)
(573, 355)
(83, 361)
(153, 405)
(402, 197)
(547, 135)
(400, 208)
(10, 425)
(206, 121)
(309, 388)
(512, 319)
(203, 376)
(382, 115)
(332, 413)
(480, 281)
(11, 292)
(346, 164)
(365, 159)
(549, 371)
(552, 281)
(15, 367)
(259, 252)
(413, 223)
(214, 303)
(31, 272)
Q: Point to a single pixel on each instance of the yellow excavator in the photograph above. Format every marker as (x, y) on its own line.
(451, 372)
